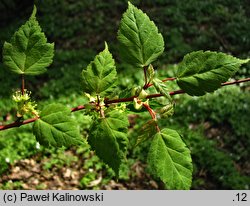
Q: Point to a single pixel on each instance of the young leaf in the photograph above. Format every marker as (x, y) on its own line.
(167, 111)
(163, 107)
(108, 137)
(56, 128)
(161, 88)
(140, 41)
(170, 160)
(151, 73)
(28, 51)
(201, 72)
(147, 131)
(100, 74)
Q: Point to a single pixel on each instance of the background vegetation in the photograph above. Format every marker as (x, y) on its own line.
(215, 126)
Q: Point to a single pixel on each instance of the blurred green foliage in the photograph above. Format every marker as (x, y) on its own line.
(186, 25)
(221, 141)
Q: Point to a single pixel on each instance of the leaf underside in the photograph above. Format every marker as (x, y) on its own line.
(147, 131)
(140, 41)
(170, 160)
(201, 72)
(108, 137)
(161, 88)
(28, 51)
(100, 74)
(56, 128)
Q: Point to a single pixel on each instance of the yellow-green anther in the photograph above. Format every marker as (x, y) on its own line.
(24, 104)
(19, 97)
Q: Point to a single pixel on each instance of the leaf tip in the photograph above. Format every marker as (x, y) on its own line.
(106, 45)
(33, 15)
(131, 6)
(246, 61)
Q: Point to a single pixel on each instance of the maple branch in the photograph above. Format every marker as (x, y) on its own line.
(236, 82)
(20, 123)
(81, 107)
(107, 102)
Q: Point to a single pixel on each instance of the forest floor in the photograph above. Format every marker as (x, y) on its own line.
(32, 174)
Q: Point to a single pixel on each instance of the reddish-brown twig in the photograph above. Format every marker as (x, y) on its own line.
(107, 102)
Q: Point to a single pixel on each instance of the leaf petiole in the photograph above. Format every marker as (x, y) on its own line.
(152, 114)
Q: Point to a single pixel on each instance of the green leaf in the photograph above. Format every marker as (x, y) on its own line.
(162, 106)
(201, 72)
(150, 73)
(28, 51)
(170, 160)
(167, 111)
(56, 128)
(161, 88)
(140, 41)
(108, 137)
(147, 131)
(100, 74)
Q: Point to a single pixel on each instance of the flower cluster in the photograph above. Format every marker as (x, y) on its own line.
(24, 103)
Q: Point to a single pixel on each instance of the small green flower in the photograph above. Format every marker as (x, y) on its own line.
(24, 103)
(121, 108)
(19, 97)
